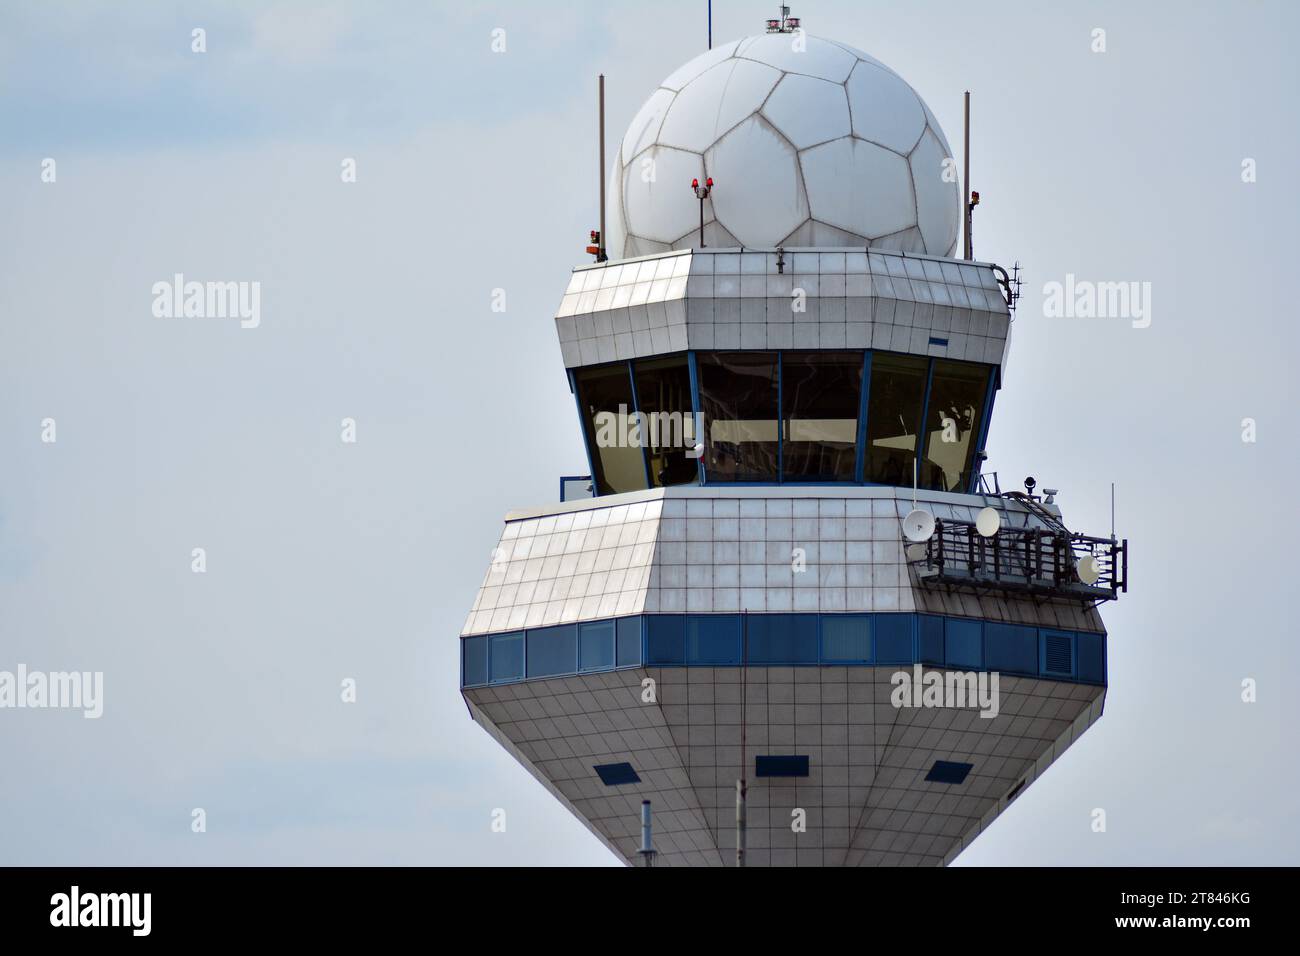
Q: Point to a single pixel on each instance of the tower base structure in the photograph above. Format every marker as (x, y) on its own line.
(663, 644)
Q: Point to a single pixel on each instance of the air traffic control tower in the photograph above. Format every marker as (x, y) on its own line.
(765, 600)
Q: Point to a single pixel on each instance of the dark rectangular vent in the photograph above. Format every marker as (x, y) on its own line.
(616, 774)
(936, 340)
(1015, 790)
(784, 766)
(1057, 656)
(946, 771)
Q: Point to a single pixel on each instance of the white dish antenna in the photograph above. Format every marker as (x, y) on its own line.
(987, 522)
(918, 526)
(1089, 569)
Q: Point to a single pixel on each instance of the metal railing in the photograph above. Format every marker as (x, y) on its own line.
(1035, 560)
(988, 484)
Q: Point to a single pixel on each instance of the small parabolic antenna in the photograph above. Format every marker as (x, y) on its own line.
(987, 522)
(918, 526)
(1089, 569)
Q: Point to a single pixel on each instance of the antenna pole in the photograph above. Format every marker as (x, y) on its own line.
(710, 24)
(647, 850)
(740, 822)
(966, 207)
(916, 467)
(741, 789)
(1112, 511)
(600, 256)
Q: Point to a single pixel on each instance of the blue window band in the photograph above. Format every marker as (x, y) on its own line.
(783, 640)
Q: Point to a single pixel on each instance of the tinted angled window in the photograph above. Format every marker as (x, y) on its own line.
(893, 638)
(963, 643)
(474, 656)
(506, 656)
(596, 646)
(609, 426)
(820, 394)
(665, 639)
(954, 415)
(713, 639)
(929, 639)
(553, 650)
(1091, 651)
(629, 641)
(846, 637)
(781, 639)
(893, 416)
(738, 398)
(1011, 647)
(663, 396)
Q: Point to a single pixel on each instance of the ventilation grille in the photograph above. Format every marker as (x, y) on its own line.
(1057, 654)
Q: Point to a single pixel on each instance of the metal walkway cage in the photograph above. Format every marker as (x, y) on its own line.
(1031, 560)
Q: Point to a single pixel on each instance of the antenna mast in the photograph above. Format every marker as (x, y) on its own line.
(967, 205)
(647, 849)
(600, 245)
(1112, 511)
(742, 789)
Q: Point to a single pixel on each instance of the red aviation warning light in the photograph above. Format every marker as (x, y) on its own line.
(702, 193)
(786, 23)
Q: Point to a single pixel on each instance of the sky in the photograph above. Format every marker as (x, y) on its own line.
(330, 561)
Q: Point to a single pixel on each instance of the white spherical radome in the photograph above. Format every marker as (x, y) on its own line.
(819, 146)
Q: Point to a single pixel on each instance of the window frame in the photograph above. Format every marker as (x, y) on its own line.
(973, 465)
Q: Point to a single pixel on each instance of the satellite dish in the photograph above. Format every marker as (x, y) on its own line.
(1089, 570)
(918, 526)
(987, 522)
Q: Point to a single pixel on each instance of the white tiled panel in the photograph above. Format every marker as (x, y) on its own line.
(719, 549)
(734, 299)
(866, 799)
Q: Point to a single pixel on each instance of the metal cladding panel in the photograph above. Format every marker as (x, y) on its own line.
(865, 801)
(727, 299)
(719, 549)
